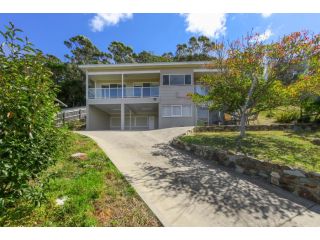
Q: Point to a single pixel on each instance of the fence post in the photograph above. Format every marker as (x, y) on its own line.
(62, 117)
(79, 114)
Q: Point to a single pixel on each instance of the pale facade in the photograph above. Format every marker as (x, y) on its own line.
(144, 96)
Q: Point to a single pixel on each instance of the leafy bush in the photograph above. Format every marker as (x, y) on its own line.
(29, 140)
(288, 116)
(76, 125)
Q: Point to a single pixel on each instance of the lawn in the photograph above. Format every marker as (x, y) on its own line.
(96, 194)
(288, 148)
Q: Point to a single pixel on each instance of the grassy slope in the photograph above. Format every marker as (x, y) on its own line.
(277, 146)
(98, 194)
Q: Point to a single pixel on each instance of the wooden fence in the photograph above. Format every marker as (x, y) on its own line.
(71, 114)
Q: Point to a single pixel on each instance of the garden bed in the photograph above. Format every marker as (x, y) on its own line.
(288, 159)
(83, 192)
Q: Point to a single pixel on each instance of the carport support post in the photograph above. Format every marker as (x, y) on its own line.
(122, 116)
(121, 85)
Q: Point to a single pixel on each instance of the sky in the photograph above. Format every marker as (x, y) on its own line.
(157, 33)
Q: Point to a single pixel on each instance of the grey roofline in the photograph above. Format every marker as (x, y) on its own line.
(143, 64)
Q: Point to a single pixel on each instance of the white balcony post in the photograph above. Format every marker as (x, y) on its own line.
(122, 116)
(87, 99)
(130, 120)
(122, 84)
(87, 93)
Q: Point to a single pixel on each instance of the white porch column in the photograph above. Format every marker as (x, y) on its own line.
(122, 84)
(122, 116)
(130, 120)
(87, 97)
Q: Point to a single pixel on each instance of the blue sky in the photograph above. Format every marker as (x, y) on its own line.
(158, 33)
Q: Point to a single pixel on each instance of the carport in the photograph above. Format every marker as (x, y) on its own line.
(123, 116)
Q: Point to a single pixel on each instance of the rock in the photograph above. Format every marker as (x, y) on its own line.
(316, 141)
(60, 201)
(79, 156)
(309, 194)
(263, 174)
(314, 175)
(239, 169)
(275, 176)
(295, 173)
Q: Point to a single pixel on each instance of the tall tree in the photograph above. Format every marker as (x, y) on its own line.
(121, 53)
(83, 51)
(149, 57)
(197, 49)
(70, 78)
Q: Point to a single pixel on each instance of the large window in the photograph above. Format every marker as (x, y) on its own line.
(176, 79)
(176, 111)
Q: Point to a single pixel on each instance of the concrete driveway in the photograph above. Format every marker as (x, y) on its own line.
(186, 191)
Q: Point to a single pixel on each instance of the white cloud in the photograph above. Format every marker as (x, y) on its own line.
(211, 25)
(264, 36)
(266, 15)
(100, 20)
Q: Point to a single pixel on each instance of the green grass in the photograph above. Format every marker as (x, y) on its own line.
(287, 148)
(97, 194)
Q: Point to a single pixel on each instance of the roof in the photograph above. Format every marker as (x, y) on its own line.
(144, 65)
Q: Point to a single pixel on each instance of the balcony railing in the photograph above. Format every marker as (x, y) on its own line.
(128, 92)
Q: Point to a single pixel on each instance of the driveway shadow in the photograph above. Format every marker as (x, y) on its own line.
(231, 194)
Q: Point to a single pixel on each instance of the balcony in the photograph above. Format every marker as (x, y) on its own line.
(128, 92)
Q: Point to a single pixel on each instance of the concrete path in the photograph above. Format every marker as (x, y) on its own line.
(186, 191)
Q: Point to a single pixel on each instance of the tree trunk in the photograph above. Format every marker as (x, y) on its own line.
(243, 124)
(245, 107)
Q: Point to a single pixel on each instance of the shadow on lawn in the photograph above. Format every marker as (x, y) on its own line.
(229, 192)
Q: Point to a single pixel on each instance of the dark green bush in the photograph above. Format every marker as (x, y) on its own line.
(29, 140)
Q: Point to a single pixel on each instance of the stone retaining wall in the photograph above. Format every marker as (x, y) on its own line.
(295, 127)
(301, 183)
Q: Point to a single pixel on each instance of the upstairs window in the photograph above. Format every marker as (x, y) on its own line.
(176, 79)
(165, 79)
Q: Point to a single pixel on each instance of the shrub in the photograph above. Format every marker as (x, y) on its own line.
(29, 140)
(288, 116)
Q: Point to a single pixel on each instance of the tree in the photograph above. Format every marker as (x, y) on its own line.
(299, 69)
(70, 78)
(121, 53)
(197, 49)
(85, 52)
(29, 140)
(149, 57)
(253, 76)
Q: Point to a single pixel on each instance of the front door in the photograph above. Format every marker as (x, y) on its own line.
(151, 122)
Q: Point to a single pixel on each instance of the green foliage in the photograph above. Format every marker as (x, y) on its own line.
(29, 140)
(294, 149)
(84, 51)
(197, 49)
(288, 116)
(311, 108)
(75, 125)
(95, 192)
(121, 53)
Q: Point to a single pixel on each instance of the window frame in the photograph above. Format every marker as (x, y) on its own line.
(181, 110)
(173, 106)
(179, 74)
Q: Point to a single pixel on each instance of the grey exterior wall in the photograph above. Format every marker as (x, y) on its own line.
(176, 95)
(97, 119)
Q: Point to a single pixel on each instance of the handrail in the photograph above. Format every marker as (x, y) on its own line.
(128, 92)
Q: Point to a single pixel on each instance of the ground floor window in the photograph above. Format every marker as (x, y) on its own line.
(130, 122)
(176, 110)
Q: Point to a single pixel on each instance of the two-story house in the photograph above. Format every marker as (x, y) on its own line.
(142, 96)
